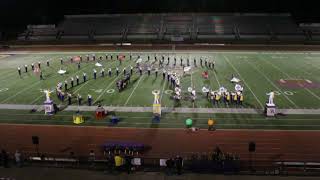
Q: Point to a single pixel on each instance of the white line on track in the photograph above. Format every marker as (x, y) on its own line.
(295, 105)
(226, 58)
(276, 67)
(140, 78)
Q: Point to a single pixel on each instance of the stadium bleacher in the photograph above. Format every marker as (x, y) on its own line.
(173, 27)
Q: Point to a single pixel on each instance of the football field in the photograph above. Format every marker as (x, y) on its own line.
(293, 76)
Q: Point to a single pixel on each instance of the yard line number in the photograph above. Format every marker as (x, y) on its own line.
(288, 93)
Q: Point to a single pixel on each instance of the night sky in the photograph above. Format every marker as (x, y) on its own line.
(20, 12)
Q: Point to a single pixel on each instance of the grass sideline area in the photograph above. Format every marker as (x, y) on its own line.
(294, 76)
(170, 120)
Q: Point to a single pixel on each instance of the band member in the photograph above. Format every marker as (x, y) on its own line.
(19, 71)
(93, 57)
(41, 76)
(140, 71)
(61, 61)
(124, 71)
(194, 62)
(62, 96)
(102, 72)
(48, 63)
(131, 70)
(69, 98)
(201, 61)
(32, 67)
(84, 77)
(79, 66)
(117, 71)
(181, 61)
(39, 65)
(79, 99)
(26, 68)
(163, 74)
(89, 100)
(77, 79)
(241, 99)
(80, 58)
(65, 85)
(94, 74)
(71, 81)
(188, 62)
(156, 72)
(149, 70)
(109, 72)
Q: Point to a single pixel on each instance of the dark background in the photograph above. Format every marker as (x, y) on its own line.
(18, 13)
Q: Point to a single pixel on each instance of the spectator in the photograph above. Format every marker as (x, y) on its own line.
(169, 164)
(5, 158)
(118, 160)
(17, 157)
(92, 157)
(128, 164)
(179, 164)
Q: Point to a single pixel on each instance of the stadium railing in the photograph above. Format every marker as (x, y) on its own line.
(204, 165)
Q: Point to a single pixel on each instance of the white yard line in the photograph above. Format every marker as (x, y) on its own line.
(276, 67)
(266, 77)
(25, 89)
(226, 58)
(77, 72)
(191, 80)
(134, 90)
(215, 76)
(106, 89)
(164, 84)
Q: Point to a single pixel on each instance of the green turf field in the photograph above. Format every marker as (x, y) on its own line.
(259, 72)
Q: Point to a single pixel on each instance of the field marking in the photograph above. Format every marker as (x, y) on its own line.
(71, 75)
(164, 85)
(140, 78)
(106, 89)
(276, 67)
(226, 58)
(168, 123)
(181, 115)
(21, 91)
(263, 74)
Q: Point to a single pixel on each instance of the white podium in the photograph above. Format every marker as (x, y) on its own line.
(270, 110)
(48, 107)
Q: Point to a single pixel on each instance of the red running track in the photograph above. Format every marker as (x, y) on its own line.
(60, 140)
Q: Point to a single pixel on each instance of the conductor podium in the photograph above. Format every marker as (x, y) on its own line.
(270, 110)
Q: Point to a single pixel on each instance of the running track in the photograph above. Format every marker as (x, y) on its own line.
(60, 140)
